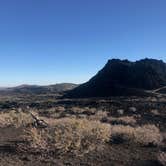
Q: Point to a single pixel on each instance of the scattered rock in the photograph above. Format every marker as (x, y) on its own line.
(132, 109)
(120, 111)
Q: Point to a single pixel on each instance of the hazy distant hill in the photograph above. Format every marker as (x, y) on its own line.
(123, 77)
(35, 89)
(2, 88)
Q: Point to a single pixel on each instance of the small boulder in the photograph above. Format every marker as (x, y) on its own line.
(120, 111)
(132, 109)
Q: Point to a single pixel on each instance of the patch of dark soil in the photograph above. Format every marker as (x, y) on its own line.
(7, 149)
(147, 163)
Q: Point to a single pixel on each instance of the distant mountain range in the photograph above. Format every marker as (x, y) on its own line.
(123, 77)
(117, 78)
(35, 89)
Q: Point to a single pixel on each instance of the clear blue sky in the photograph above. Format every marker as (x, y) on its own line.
(52, 41)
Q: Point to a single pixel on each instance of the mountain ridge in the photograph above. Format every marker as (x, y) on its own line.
(38, 89)
(123, 77)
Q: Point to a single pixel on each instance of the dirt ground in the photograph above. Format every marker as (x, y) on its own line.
(112, 154)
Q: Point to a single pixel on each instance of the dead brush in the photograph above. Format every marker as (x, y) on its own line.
(83, 110)
(78, 136)
(14, 118)
(121, 133)
(37, 138)
(5, 119)
(162, 158)
(148, 135)
(130, 120)
(143, 135)
(98, 116)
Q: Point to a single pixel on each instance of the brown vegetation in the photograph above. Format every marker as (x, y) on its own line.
(83, 131)
(69, 134)
(15, 118)
(144, 135)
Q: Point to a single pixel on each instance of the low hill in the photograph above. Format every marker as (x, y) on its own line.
(123, 77)
(35, 89)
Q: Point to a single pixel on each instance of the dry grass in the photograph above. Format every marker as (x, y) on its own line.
(121, 132)
(54, 112)
(155, 112)
(15, 118)
(60, 109)
(70, 135)
(124, 119)
(148, 134)
(80, 135)
(4, 119)
(99, 115)
(36, 137)
(79, 110)
(162, 158)
(144, 135)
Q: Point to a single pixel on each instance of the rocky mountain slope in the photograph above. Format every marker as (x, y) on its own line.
(123, 77)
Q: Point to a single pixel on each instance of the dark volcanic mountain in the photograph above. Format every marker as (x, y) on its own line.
(35, 89)
(122, 77)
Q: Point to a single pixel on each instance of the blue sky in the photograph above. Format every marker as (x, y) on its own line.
(53, 41)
